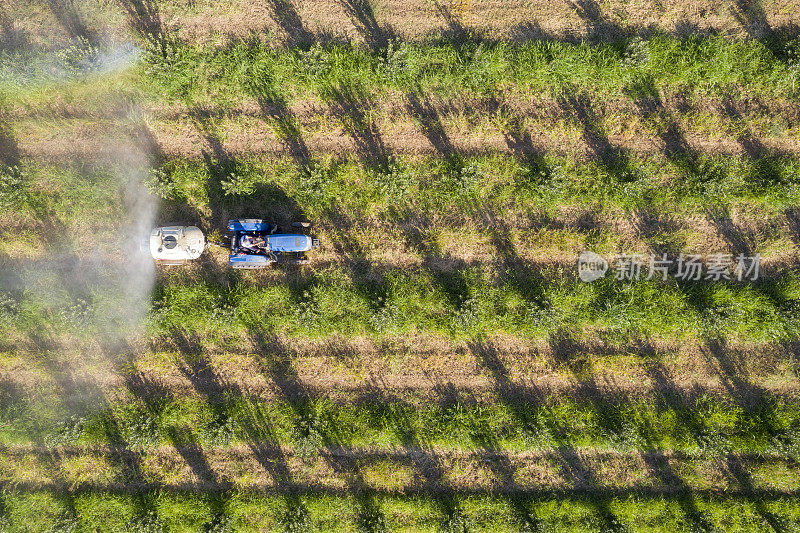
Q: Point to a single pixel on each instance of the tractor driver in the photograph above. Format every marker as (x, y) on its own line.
(252, 244)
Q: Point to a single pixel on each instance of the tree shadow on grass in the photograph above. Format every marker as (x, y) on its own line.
(599, 27)
(659, 230)
(516, 271)
(310, 433)
(739, 239)
(286, 124)
(198, 369)
(511, 396)
(737, 473)
(352, 105)
(361, 14)
(767, 163)
(285, 15)
(658, 464)
(429, 472)
(662, 470)
(758, 404)
(647, 98)
(615, 160)
(9, 150)
(456, 31)
(264, 200)
(751, 15)
(144, 17)
(430, 124)
(573, 468)
(65, 13)
(792, 216)
(11, 37)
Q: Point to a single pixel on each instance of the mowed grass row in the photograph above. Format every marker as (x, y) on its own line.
(259, 467)
(240, 510)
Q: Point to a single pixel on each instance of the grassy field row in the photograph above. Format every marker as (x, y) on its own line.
(461, 304)
(467, 207)
(643, 70)
(41, 510)
(697, 66)
(516, 419)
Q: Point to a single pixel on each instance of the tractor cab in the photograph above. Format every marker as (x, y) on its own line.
(255, 243)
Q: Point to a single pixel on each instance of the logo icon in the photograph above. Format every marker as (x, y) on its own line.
(591, 266)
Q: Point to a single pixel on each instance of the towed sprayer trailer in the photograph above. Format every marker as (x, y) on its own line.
(176, 245)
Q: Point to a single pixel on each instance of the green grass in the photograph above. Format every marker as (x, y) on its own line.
(695, 424)
(433, 187)
(467, 304)
(41, 511)
(703, 66)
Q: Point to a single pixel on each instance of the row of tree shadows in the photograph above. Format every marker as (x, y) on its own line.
(352, 107)
(145, 18)
(143, 15)
(276, 364)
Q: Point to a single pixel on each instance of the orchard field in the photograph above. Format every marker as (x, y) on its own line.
(438, 365)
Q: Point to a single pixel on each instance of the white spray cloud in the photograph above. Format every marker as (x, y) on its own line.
(102, 286)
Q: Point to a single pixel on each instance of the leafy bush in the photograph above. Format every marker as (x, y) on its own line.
(161, 184)
(69, 432)
(149, 523)
(13, 188)
(237, 185)
(296, 519)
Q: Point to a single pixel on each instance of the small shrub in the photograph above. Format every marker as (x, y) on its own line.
(307, 434)
(296, 519)
(140, 431)
(220, 524)
(455, 522)
(8, 310)
(160, 183)
(66, 522)
(237, 185)
(371, 520)
(13, 188)
(220, 431)
(149, 523)
(68, 433)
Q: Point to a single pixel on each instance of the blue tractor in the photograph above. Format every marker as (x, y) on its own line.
(255, 243)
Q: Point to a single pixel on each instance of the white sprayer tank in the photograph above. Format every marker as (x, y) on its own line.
(176, 244)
